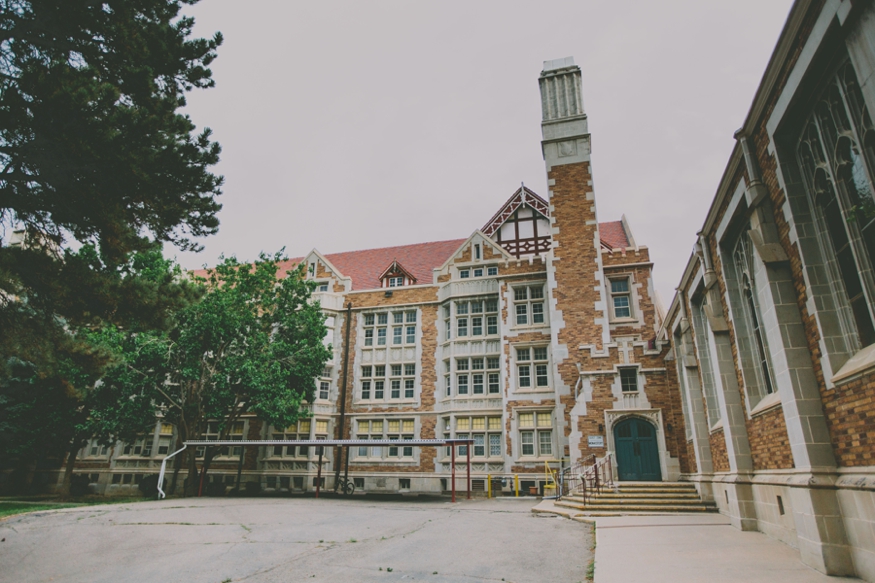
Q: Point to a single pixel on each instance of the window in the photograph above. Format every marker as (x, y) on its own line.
(165, 438)
(491, 271)
(703, 345)
(395, 429)
(396, 281)
(836, 153)
(401, 334)
(212, 433)
(532, 367)
(752, 345)
(96, 449)
(477, 251)
(529, 305)
(296, 431)
(323, 287)
(141, 447)
(464, 273)
(629, 380)
(324, 384)
(536, 433)
(474, 318)
(478, 272)
(621, 298)
(486, 433)
(476, 376)
(399, 378)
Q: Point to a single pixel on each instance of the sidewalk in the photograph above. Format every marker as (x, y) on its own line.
(688, 548)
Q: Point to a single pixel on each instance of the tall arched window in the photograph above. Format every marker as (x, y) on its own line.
(836, 153)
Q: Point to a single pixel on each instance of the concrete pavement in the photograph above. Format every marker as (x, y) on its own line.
(267, 540)
(688, 548)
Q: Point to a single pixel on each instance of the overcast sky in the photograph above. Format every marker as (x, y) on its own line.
(364, 124)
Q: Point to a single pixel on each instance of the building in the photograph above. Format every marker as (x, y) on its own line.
(535, 337)
(773, 324)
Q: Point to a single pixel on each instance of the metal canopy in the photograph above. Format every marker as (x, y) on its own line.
(327, 442)
(342, 442)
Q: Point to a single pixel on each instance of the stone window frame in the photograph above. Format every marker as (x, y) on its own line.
(491, 435)
(745, 277)
(323, 384)
(386, 453)
(840, 359)
(708, 374)
(491, 365)
(528, 304)
(303, 429)
(533, 361)
(830, 157)
(536, 430)
(402, 373)
(630, 380)
(628, 294)
(457, 319)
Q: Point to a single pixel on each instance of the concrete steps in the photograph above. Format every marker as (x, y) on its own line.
(640, 498)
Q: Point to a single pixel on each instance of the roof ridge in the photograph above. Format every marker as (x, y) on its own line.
(398, 246)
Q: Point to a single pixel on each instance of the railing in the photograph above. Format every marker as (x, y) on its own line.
(586, 477)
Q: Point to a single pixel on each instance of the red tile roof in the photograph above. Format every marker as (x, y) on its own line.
(420, 259)
(613, 234)
(365, 267)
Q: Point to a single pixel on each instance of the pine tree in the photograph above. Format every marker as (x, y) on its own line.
(94, 152)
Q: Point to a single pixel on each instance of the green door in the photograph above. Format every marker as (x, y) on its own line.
(637, 453)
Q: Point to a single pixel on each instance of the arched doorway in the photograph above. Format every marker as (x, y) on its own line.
(637, 450)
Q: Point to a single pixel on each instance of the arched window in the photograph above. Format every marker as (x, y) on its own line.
(836, 153)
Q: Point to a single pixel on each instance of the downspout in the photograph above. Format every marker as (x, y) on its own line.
(343, 386)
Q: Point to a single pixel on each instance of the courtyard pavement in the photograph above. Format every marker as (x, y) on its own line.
(264, 540)
(688, 548)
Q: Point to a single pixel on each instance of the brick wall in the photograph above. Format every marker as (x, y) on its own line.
(719, 458)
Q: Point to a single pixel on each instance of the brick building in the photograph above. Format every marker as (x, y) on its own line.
(535, 337)
(774, 321)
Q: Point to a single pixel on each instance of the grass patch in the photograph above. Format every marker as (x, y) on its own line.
(10, 508)
(590, 569)
(12, 505)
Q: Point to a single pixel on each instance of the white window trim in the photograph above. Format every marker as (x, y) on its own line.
(633, 304)
(512, 312)
(516, 363)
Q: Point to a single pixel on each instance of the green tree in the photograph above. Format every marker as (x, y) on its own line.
(54, 411)
(253, 344)
(93, 151)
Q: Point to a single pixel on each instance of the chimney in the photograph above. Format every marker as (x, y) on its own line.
(563, 121)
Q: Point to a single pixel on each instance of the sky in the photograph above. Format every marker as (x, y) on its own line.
(361, 124)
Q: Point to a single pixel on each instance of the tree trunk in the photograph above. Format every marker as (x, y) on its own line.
(191, 480)
(177, 463)
(64, 490)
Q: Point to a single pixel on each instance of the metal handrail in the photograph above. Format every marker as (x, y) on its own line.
(586, 476)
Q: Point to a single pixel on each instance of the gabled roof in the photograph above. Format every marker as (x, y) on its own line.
(523, 196)
(366, 268)
(397, 268)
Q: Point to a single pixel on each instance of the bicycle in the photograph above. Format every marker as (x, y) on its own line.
(345, 486)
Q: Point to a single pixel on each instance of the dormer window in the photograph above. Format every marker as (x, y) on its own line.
(396, 276)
